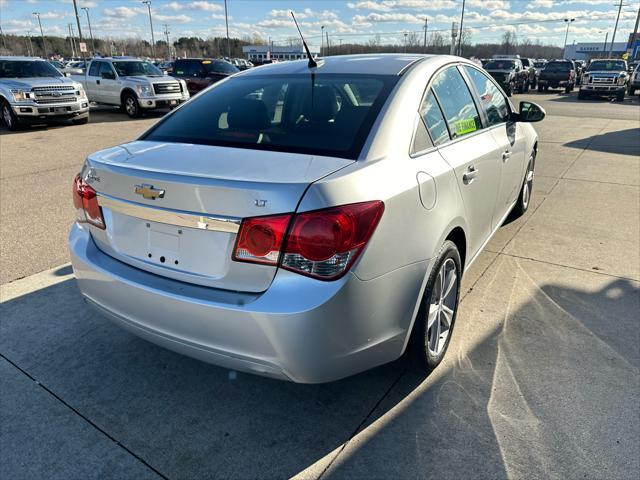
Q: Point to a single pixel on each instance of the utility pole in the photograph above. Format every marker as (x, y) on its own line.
(424, 44)
(4, 46)
(226, 21)
(405, 42)
(153, 39)
(44, 46)
(73, 48)
(93, 45)
(29, 45)
(604, 47)
(75, 8)
(454, 34)
(635, 33)
(166, 33)
(569, 21)
(460, 35)
(615, 29)
(327, 34)
(321, 39)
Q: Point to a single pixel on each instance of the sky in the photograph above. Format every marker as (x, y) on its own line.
(354, 21)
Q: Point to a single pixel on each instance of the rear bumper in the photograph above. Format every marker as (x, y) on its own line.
(554, 83)
(300, 329)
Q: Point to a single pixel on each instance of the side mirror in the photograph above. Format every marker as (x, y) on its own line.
(530, 112)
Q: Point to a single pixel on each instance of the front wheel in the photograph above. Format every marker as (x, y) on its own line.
(568, 89)
(433, 327)
(540, 88)
(131, 106)
(524, 199)
(8, 117)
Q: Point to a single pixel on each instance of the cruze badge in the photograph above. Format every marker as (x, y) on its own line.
(148, 192)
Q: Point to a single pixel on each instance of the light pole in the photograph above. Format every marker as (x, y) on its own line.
(424, 45)
(405, 42)
(615, 29)
(153, 39)
(44, 46)
(566, 36)
(166, 33)
(460, 35)
(73, 47)
(604, 48)
(29, 45)
(226, 22)
(75, 8)
(321, 39)
(93, 45)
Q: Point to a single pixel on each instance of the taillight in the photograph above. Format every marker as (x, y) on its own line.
(260, 239)
(85, 200)
(321, 244)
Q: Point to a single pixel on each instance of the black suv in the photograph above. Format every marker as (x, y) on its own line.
(510, 74)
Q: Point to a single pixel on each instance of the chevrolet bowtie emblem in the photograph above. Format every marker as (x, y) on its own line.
(148, 192)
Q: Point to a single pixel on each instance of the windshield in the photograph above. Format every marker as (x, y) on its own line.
(219, 67)
(500, 65)
(558, 67)
(608, 66)
(129, 69)
(288, 113)
(26, 69)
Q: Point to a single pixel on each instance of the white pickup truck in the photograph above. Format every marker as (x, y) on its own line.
(132, 84)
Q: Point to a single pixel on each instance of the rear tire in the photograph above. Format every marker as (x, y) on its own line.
(540, 88)
(431, 334)
(131, 106)
(568, 89)
(582, 95)
(524, 199)
(8, 117)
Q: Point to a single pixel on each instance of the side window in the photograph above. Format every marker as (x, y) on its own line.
(431, 115)
(492, 101)
(457, 103)
(94, 69)
(105, 68)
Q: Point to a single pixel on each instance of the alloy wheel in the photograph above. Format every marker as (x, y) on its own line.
(528, 186)
(6, 116)
(130, 106)
(442, 306)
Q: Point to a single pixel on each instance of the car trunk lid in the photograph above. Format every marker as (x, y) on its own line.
(174, 209)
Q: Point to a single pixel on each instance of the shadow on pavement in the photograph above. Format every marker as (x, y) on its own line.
(624, 142)
(547, 389)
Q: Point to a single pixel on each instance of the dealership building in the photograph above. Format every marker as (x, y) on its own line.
(260, 53)
(585, 51)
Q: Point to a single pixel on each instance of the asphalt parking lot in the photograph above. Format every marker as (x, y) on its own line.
(542, 379)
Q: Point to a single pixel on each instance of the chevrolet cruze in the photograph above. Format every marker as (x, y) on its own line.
(306, 223)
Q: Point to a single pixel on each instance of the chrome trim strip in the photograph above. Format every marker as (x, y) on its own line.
(171, 217)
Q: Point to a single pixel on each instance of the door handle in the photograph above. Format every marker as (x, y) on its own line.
(469, 175)
(506, 155)
(97, 82)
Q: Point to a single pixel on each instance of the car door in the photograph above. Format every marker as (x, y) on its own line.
(507, 135)
(109, 84)
(471, 152)
(92, 81)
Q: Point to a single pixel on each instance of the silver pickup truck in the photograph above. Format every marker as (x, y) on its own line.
(34, 91)
(132, 84)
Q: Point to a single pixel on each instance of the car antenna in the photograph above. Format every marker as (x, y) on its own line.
(312, 62)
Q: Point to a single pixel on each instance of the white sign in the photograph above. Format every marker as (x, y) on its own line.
(83, 47)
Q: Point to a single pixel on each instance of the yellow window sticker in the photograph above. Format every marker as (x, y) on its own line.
(466, 125)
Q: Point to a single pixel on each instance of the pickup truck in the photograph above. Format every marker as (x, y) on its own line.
(132, 84)
(558, 74)
(509, 73)
(34, 91)
(604, 78)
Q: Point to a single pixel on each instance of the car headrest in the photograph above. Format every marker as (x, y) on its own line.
(248, 114)
(324, 105)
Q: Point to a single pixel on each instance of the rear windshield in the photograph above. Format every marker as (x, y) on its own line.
(558, 67)
(320, 114)
(219, 67)
(500, 65)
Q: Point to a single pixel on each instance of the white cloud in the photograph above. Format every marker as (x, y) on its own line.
(388, 5)
(80, 3)
(198, 5)
(122, 12)
(53, 15)
(174, 18)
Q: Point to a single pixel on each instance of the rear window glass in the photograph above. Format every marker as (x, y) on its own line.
(558, 66)
(321, 114)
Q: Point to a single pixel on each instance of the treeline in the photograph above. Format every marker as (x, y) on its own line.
(217, 47)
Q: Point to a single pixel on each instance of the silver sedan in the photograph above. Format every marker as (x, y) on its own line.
(306, 223)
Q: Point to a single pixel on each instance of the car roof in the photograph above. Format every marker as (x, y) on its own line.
(369, 64)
